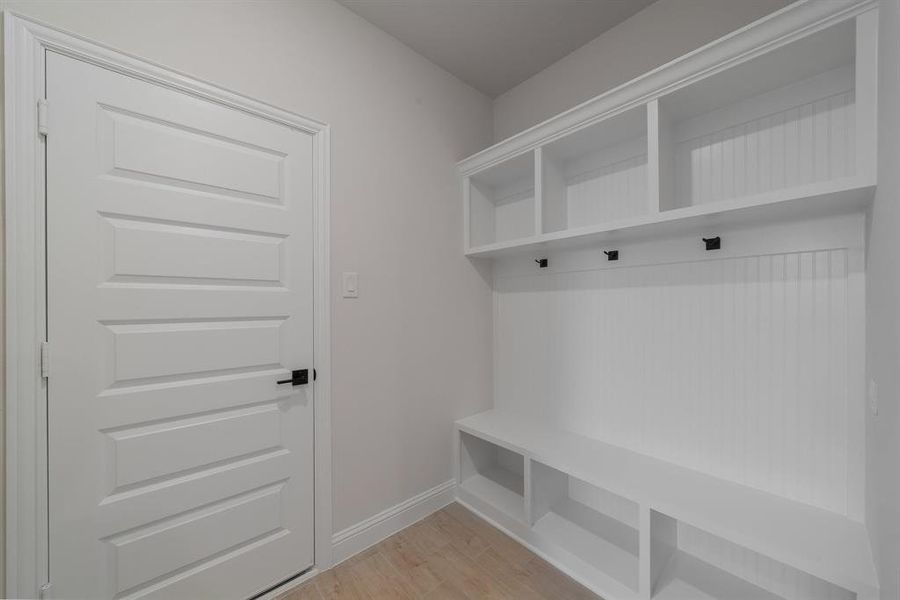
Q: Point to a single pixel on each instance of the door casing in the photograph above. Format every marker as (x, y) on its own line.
(25, 44)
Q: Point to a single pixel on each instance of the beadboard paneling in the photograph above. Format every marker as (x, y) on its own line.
(610, 192)
(514, 217)
(737, 367)
(804, 144)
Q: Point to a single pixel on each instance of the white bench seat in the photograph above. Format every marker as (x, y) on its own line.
(827, 545)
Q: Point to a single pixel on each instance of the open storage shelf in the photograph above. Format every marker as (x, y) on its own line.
(779, 121)
(599, 551)
(597, 174)
(567, 519)
(689, 578)
(682, 569)
(785, 132)
(493, 474)
(502, 201)
(812, 201)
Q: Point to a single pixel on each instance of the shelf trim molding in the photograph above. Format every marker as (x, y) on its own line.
(821, 199)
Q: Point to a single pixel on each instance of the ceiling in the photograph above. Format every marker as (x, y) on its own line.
(494, 45)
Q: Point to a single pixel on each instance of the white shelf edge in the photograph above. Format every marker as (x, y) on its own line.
(844, 195)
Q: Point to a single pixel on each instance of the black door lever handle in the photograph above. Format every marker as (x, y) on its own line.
(298, 377)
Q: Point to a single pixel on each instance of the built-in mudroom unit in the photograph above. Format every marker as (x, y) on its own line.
(679, 321)
(450, 300)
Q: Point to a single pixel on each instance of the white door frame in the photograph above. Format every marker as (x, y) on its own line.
(26, 393)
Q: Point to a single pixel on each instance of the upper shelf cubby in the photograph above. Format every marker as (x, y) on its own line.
(782, 120)
(501, 201)
(597, 174)
(775, 121)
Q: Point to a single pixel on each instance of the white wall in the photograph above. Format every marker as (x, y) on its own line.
(883, 452)
(413, 352)
(658, 34)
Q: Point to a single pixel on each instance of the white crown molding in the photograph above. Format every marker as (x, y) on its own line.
(764, 35)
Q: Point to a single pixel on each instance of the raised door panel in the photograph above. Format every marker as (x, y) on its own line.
(142, 454)
(143, 250)
(173, 154)
(154, 350)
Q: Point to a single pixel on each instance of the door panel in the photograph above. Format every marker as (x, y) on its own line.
(179, 245)
(144, 250)
(193, 160)
(142, 350)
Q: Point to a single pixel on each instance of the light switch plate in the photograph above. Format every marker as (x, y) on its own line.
(351, 285)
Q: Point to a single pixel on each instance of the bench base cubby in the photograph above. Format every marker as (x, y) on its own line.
(585, 526)
(492, 475)
(628, 525)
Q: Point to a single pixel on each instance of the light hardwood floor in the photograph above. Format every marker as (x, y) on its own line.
(451, 555)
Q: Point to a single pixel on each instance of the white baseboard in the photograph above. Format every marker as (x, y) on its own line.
(364, 534)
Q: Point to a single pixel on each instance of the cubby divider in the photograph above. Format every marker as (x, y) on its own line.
(573, 521)
(493, 474)
(597, 174)
(783, 120)
(501, 202)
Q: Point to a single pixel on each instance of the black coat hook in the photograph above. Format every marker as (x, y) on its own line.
(542, 262)
(713, 243)
(611, 254)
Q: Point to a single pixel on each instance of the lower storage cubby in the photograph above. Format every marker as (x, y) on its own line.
(690, 564)
(686, 577)
(630, 526)
(493, 475)
(592, 531)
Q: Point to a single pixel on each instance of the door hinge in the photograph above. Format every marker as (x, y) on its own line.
(42, 116)
(45, 589)
(45, 359)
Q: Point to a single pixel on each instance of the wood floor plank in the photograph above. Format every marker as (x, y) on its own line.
(365, 554)
(510, 549)
(305, 591)
(508, 575)
(461, 537)
(411, 562)
(468, 576)
(427, 537)
(552, 583)
(381, 580)
(450, 555)
(446, 591)
(339, 583)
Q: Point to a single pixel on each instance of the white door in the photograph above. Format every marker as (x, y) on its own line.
(179, 291)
